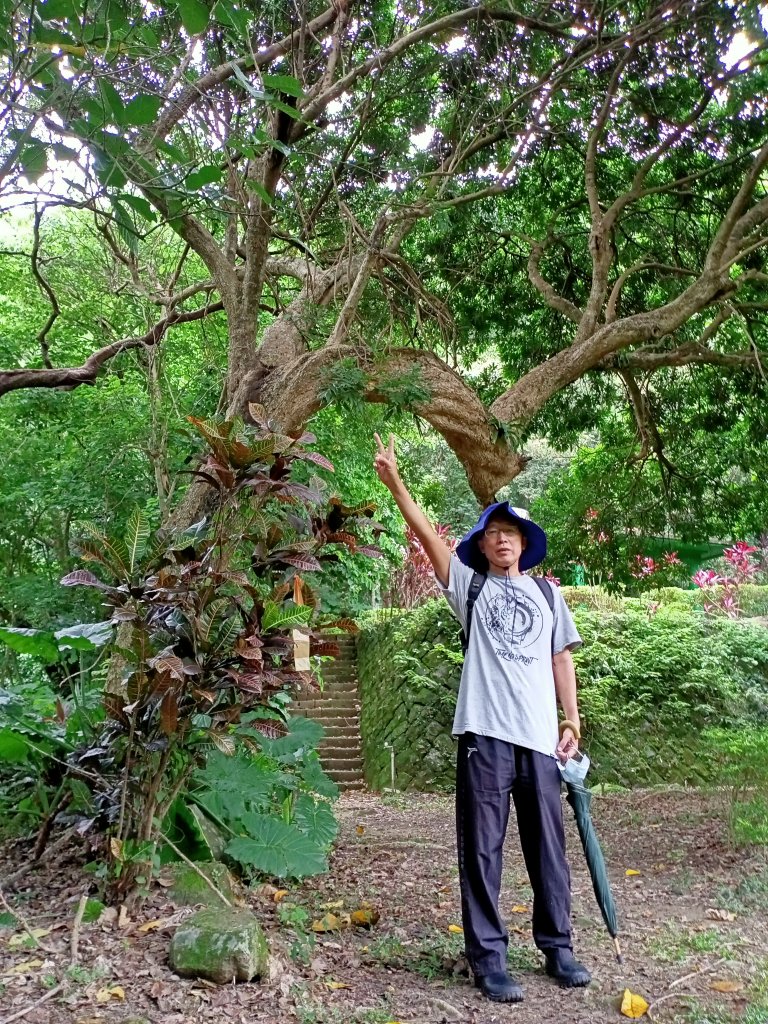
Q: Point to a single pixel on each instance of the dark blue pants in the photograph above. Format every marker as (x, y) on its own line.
(487, 772)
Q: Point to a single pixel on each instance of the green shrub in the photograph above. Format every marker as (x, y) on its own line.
(651, 681)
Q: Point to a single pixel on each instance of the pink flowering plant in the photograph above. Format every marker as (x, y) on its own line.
(742, 563)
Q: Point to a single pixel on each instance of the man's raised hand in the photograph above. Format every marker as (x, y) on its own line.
(385, 462)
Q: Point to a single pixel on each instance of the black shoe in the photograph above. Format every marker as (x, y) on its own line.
(563, 967)
(499, 987)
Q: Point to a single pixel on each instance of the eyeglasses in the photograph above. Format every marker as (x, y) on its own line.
(494, 532)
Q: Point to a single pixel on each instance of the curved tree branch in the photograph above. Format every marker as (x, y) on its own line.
(73, 376)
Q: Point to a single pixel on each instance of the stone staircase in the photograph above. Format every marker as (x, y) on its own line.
(337, 709)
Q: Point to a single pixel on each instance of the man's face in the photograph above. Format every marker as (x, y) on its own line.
(502, 543)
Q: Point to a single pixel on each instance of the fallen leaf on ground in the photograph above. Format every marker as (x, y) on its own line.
(108, 915)
(105, 995)
(519, 908)
(334, 905)
(28, 965)
(365, 917)
(360, 829)
(164, 881)
(632, 871)
(266, 890)
(331, 923)
(150, 926)
(123, 920)
(334, 985)
(280, 895)
(456, 929)
(719, 915)
(22, 938)
(727, 986)
(633, 1005)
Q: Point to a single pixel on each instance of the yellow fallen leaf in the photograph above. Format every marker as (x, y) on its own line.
(456, 929)
(105, 995)
(279, 895)
(633, 1005)
(631, 871)
(116, 848)
(727, 986)
(28, 965)
(365, 917)
(331, 923)
(519, 908)
(334, 905)
(360, 829)
(334, 985)
(150, 926)
(22, 938)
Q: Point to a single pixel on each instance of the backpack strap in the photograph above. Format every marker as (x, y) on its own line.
(476, 585)
(549, 596)
(546, 588)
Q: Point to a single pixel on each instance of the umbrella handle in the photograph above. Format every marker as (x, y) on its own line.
(619, 958)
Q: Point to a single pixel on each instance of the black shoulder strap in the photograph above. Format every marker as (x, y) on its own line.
(546, 588)
(476, 585)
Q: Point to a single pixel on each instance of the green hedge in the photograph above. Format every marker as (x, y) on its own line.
(649, 684)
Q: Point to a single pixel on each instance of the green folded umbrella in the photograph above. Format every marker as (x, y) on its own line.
(580, 798)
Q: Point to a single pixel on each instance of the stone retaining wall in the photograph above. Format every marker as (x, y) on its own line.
(409, 664)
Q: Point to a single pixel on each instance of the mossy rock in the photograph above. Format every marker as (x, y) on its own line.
(222, 945)
(189, 888)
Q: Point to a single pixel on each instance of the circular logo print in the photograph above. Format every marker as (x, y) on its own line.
(513, 620)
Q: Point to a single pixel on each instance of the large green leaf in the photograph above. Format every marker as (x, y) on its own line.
(85, 636)
(13, 747)
(277, 849)
(314, 778)
(316, 819)
(30, 641)
(136, 536)
(303, 734)
(140, 111)
(194, 16)
(283, 83)
(278, 616)
(205, 175)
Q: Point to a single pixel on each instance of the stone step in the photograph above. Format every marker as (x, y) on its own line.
(341, 741)
(335, 764)
(344, 776)
(337, 705)
(356, 784)
(339, 731)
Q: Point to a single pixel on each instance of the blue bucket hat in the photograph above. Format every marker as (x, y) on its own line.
(536, 540)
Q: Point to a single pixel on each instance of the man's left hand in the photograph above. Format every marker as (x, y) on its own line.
(568, 746)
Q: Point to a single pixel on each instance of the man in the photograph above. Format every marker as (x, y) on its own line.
(518, 665)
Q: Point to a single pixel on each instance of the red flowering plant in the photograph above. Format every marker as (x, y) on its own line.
(414, 582)
(742, 563)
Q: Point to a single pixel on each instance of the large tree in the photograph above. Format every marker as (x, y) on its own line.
(359, 190)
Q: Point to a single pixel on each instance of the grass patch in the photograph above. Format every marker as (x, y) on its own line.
(750, 894)
(435, 956)
(677, 944)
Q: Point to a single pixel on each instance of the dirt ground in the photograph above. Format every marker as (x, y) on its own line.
(693, 910)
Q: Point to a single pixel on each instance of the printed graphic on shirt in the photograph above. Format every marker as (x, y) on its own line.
(515, 622)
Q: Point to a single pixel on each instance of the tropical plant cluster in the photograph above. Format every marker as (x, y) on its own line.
(207, 631)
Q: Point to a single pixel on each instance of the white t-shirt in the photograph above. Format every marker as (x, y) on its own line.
(507, 686)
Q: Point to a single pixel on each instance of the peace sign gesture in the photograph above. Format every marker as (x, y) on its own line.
(385, 462)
